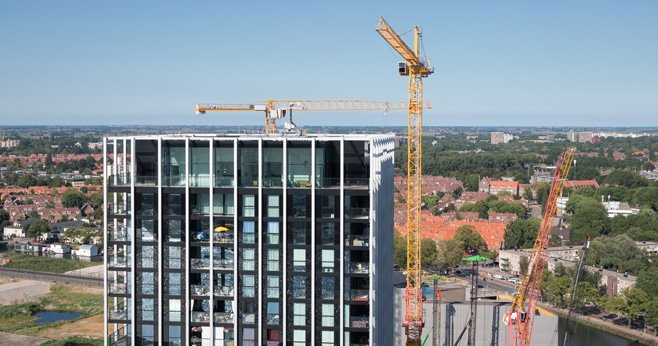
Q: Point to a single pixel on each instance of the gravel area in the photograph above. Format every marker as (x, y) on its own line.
(22, 340)
(21, 291)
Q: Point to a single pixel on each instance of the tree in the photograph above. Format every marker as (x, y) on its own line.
(450, 254)
(523, 265)
(4, 216)
(521, 233)
(647, 281)
(428, 252)
(400, 251)
(636, 302)
(625, 178)
(470, 240)
(26, 181)
(36, 229)
(589, 218)
(73, 198)
(652, 311)
(527, 193)
(617, 253)
(472, 182)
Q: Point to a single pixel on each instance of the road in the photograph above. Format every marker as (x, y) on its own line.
(51, 277)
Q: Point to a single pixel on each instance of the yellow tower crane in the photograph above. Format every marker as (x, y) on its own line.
(277, 109)
(416, 68)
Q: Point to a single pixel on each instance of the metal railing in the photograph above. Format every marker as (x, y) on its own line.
(359, 268)
(120, 336)
(146, 180)
(223, 237)
(200, 263)
(223, 291)
(359, 295)
(359, 322)
(120, 312)
(357, 240)
(199, 290)
(358, 213)
(224, 317)
(119, 180)
(225, 264)
(200, 317)
(118, 235)
(118, 288)
(118, 261)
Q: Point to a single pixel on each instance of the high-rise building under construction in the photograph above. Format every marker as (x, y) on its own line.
(249, 240)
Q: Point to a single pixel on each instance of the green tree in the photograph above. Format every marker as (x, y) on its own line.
(472, 182)
(523, 265)
(556, 289)
(73, 198)
(652, 311)
(450, 254)
(36, 229)
(521, 233)
(26, 181)
(647, 281)
(617, 253)
(527, 193)
(625, 178)
(589, 218)
(470, 240)
(400, 251)
(428, 252)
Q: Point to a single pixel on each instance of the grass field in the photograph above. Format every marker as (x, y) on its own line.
(19, 319)
(44, 264)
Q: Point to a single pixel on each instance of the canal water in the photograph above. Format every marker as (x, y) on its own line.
(587, 336)
(55, 316)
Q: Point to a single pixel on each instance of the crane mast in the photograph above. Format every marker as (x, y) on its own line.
(521, 314)
(416, 69)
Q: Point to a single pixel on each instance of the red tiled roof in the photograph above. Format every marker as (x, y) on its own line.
(577, 184)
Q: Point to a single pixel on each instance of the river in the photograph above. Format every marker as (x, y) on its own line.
(588, 336)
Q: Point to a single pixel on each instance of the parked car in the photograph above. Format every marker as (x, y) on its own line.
(499, 277)
(621, 321)
(590, 310)
(610, 316)
(637, 323)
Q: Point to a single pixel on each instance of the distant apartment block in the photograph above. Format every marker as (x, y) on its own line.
(585, 137)
(249, 240)
(501, 137)
(495, 187)
(9, 143)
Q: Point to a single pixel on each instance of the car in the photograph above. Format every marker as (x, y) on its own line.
(512, 280)
(517, 281)
(621, 321)
(637, 323)
(499, 277)
(610, 316)
(590, 310)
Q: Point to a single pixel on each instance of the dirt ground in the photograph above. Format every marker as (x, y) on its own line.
(22, 340)
(20, 291)
(89, 327)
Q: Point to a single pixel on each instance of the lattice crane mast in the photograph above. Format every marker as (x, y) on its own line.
(416, 68)
(521, 314)
(277, 109)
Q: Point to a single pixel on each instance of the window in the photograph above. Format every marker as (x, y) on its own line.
(299, 260)
(248, 338)
(273, 232)
(272, 313)
(248, 286)
(174, 230)
(327, 338)
(148, 313)
(272, 286)
(299, 206)
(273, 206)
(328, 286)
(174, 335)
(299, 314)
(175, 310)
(148, 280)
(299, 337)
(299, 287)
(148, 334)
(327, 207)
(328, 261)
(248, 259)
(328, 314)
(148, 254)
(175, 257)
(299, 232)
(249, 206)
(148, 230)
(327, 233)
(273, 260)
(248, 232)
(175, 284)
(223, 203)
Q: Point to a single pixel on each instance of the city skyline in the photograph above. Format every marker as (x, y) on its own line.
(513, 63)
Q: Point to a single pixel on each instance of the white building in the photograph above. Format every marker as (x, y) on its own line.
(14, 231)
(87, 251)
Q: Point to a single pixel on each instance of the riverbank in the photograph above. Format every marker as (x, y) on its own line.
(607, 326)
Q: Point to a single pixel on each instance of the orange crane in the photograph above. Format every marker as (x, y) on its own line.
(416, 68)
(277, 109)
(521, 314)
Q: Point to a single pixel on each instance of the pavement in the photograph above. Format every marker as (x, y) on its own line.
(22, 340)
(21, 291)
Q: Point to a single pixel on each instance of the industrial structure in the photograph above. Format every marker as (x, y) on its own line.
(521, 314)
(248, 240)
(416, 68)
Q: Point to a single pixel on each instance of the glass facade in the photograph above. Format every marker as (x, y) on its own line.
(239, 241)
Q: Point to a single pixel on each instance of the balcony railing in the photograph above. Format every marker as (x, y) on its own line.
(118, 235)
(173, 181)
(200, 317)
(223, 264)
(119, 288)
(118, 261)
(359, 322)
(358, 213)
(200, 209)
(199, 290)
(200, 263)
(359, 295)
(224, 181)
(357, 240)
(359, 268)
(223, 291)
(119, 180)
(118, 209)
(119, 337)
(146, 180)
(224, 317)
(119, 312)
(223, 237)
(194, 341)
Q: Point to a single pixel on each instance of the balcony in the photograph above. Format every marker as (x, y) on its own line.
(200, 209)
(120, 337)
(119, 180)
(358, 213)
(200, 317)
(119, 312)
(224, 181)
(224, 317)
(200, 263)
(146, 180)
(118, 262)
(359, 322)
(358, 295)
(199, 290)
(223, 237)
(195, 341)
(118, 235)
(118, 288)
(173, 181)
(358, 268)
(118, 209)
(223, 264)
(357, 240)
(223, 291)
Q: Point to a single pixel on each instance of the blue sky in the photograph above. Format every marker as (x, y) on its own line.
(507, 62)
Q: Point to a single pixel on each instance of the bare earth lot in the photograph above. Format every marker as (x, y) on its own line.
(19, 291)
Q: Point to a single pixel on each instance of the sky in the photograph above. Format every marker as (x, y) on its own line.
(508, 63)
